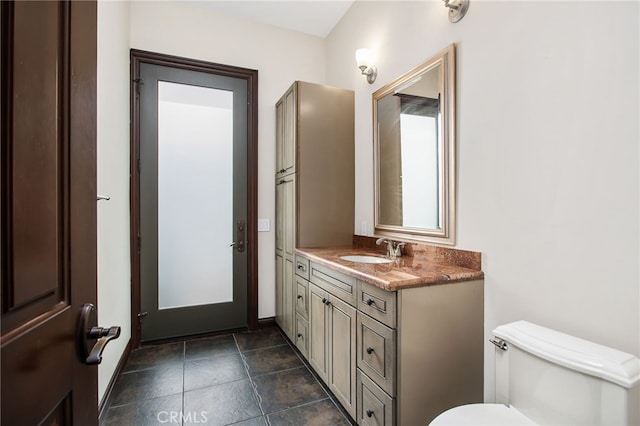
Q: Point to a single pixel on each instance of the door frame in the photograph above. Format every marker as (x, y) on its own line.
(251, 76)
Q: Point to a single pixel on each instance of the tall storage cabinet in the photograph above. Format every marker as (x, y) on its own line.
(314, 186)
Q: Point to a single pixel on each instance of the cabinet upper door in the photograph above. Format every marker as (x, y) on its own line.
(279, 136)
(286, 125)
(289, 131)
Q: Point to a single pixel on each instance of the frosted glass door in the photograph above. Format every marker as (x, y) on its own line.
(195, 195)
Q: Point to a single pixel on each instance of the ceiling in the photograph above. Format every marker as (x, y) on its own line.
(315, 17)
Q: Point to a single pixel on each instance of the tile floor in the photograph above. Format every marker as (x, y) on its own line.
(249, 378)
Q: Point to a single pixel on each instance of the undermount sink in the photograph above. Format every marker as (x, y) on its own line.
(365, 259)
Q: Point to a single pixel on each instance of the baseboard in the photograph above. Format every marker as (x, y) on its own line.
(266, 322)
(104, 403)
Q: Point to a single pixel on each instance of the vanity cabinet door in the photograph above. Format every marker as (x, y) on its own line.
(342, 353)
(318, 327)
(332, 344)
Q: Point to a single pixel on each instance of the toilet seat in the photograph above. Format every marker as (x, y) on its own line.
(482, 415)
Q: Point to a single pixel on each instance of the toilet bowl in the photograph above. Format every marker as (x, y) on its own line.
(547, 377)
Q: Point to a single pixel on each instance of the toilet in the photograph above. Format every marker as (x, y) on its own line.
(551, 378)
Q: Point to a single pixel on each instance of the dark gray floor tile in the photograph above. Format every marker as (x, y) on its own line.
(223, 404)
(287, 389)
(152, 356)
(269, 360)
(156, 411)
(321, 413)
(147, 384)
(209, 347)
(259, 339)
(256, 421)
(207, 372)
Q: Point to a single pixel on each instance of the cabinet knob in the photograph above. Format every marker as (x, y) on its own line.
(370, 351)
(370, 302)
(324, 300)
(299, 335)
(327, 303)
(369, 413)
(299, 296)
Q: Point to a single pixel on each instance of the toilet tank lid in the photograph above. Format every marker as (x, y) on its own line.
(572, 352)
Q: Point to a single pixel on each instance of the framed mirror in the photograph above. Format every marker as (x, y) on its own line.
(414, 153)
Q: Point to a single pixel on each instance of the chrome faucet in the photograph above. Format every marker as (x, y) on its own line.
(394, 248)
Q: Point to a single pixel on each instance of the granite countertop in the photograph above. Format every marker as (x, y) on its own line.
(420, 265)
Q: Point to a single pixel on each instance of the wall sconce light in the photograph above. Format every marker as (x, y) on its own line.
(365, 59)
(457, 9)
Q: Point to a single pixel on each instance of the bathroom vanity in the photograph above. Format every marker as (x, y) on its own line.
(398, 342)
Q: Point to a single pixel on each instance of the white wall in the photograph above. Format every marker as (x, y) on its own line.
(548, 159)
(114, 264)
(281, 56)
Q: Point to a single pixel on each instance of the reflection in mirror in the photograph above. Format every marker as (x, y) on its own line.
(415, 155)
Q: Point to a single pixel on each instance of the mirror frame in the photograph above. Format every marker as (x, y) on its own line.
(447, 157)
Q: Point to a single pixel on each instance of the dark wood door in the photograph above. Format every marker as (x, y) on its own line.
(48, 214)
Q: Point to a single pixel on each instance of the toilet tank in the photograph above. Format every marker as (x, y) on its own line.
(557, 379)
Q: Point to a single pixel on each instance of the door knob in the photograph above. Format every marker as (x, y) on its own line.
(92, 354)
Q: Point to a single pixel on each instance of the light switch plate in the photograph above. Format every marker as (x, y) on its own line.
(264, 225)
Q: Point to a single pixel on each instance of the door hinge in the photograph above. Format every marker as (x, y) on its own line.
(138, 82)
(141, 316)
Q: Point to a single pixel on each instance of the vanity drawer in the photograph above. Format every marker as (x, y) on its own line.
(302, 267)
(302, 297)
(375, 407)
(376, 349)
(340, 285)
(377, 303)
(301, 335)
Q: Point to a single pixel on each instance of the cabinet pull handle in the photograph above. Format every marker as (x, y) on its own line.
(369, 413)
(370, 302)
(370, 351)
